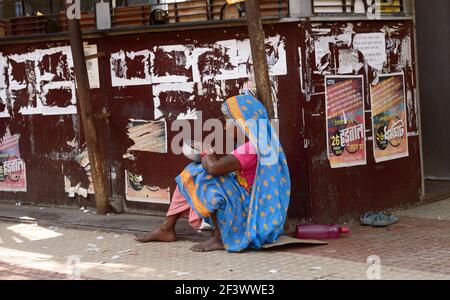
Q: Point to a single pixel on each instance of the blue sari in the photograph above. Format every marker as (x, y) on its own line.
(246, 219)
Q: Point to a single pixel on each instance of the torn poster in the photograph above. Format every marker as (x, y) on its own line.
(23, 82)
(389, 117)
(58, 98)
(42, 82)
(3, 104)
(12, 168)
(171, 64)
(92, 66)
(72, 189)
(345, 120)
(276, 55)
(171, 100)
(322, 47)
(136, 191)
(2, 71)
(130, 68)
(222, 60)
(219, 61)
(373, 47)
(78, 188)
(148, 136)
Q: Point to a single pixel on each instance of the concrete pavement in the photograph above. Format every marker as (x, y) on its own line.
(418, 247)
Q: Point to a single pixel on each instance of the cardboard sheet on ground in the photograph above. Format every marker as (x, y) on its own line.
(285, 240)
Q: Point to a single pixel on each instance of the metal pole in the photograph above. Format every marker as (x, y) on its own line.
(258, 46)
(96, 159)
(422, 168)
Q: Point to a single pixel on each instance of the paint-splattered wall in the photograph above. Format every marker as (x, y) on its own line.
(146, 81)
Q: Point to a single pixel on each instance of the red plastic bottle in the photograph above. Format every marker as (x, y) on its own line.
(319, 232)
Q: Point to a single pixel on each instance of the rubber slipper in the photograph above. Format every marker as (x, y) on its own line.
(384, 220)
(368, 218)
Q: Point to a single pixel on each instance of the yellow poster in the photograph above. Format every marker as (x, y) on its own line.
(390, 6)
(389, 118)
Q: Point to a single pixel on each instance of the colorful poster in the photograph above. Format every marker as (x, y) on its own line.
(345, 117)
(12, 168)
(138, 192)
(389, 117)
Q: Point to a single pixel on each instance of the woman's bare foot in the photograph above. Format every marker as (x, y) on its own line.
(160, 235)
(212, 244)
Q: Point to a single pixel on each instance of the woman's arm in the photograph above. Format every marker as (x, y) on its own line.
(222, 166)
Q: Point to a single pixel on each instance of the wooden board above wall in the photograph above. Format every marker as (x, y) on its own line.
(191, 11)
(131, 16)
(87, 21)
(3, 28)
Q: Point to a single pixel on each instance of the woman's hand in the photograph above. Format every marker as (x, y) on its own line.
(219, 167)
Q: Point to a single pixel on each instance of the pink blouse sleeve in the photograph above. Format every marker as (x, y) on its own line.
(246, 154)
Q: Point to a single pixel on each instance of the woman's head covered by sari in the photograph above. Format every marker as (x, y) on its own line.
(271, 189)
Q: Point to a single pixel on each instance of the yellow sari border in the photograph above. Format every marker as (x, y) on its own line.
(189, 185)
(236, 114)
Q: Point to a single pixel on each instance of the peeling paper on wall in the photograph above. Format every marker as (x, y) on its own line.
(2, 71)
(60, 87)
(158, 89)
(73, 190)
(184, 62)
(120, 75)
(405, 54)
(276, 56)
(179, 54)
(349, 62)
(373, 47)
(46, 81)
(275, 53)
(92, 66)
(322, 48)
(300, 62)
(148, 136)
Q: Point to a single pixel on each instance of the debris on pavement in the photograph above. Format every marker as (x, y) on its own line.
(93, 247)
(124, 251)
(315, 268)
(181, 273)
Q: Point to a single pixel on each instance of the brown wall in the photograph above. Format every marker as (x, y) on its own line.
(318, 192)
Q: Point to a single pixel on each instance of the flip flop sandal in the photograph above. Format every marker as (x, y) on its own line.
(384, 220)
(368, 218)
